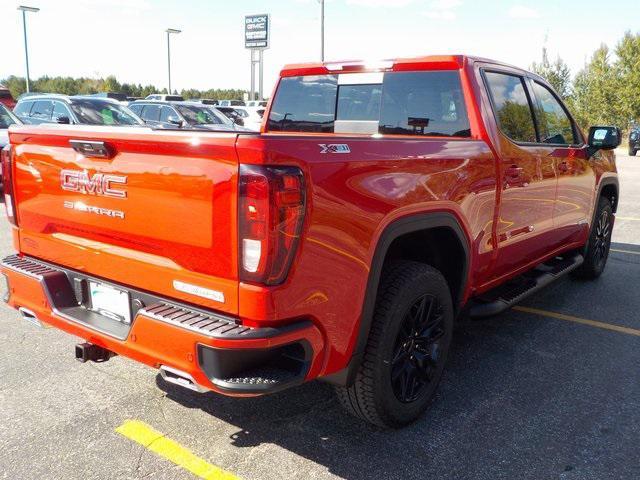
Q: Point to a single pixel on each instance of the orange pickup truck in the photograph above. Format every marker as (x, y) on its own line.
(379, 203)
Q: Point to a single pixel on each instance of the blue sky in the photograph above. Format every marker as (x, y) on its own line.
(125, 37)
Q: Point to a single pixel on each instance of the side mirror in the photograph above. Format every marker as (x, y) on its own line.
(175, 121)
(63, 120)
(603, 138)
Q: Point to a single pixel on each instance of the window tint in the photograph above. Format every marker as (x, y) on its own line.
(23, 109)
(101, 112)
(151, 112)
(553, 122)
(305, 104)
(359, 102)
(59, 110)
(198, 115)
(407, 103)
(136, 108)
(511, 106)
(42, 110)
(424, 103)
(167, 113)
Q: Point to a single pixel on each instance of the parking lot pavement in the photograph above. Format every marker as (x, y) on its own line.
(531, 394)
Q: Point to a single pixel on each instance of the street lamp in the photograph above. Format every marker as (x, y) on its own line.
(169, 32)
(24, 28)
(321, 30)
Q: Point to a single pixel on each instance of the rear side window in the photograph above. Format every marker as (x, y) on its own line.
(511, 105)
(428, 103)
(553, 122)
(42, 110)
(305, 104)
(23, 109)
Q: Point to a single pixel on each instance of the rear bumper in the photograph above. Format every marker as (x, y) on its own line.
(217, 352)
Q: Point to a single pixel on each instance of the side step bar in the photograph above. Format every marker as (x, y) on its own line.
(513, 292)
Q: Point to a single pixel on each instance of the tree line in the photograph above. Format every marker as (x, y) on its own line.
(84, 86)
(606, 91)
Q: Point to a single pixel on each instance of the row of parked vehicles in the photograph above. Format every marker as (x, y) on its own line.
(157, 110)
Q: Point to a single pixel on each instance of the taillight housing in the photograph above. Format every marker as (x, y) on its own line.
(271, 212)
(6, 158)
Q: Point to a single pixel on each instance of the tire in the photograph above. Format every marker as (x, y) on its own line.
(409, 338)
(597, 248)
(632, 152)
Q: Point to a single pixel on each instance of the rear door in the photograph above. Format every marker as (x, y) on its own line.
(157, 209)
(525, 229)
(562, 143)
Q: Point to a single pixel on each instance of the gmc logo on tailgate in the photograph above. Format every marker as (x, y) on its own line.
(98, 184)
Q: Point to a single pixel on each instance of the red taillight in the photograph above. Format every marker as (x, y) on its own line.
(7, 182)
(270, 216)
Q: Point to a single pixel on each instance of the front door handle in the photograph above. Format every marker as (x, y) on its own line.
(514, 172)
(563, 167)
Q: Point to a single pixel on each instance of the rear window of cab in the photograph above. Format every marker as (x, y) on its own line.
(426, 103)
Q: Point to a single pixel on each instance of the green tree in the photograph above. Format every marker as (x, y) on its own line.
(627, 70)
(557, 74)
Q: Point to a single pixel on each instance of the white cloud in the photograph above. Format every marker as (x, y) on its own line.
(520, 11)
(442, 9)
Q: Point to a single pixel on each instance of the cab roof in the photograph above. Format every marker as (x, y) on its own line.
(431, 62)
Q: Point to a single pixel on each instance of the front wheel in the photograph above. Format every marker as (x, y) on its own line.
(407, 347)
(597, 251)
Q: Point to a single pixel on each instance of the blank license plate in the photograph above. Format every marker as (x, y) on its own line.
(110, 302)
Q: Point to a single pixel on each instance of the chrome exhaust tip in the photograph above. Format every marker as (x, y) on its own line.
(182, 379)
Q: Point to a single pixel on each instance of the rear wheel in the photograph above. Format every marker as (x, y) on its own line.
(597, 251)
(407, 347)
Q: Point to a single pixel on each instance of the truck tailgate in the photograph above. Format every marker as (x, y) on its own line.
(158, 212)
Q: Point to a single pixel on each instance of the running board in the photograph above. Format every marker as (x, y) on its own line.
(514, 291)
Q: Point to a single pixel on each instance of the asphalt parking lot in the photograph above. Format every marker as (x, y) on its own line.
(548, 390)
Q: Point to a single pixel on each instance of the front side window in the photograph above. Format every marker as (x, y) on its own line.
(553, 122)
(42, 110)
(136, 108)
(511, 105)
(59, 110)
(167, 115)
(151, 113)
(195, 115)
(426, 103)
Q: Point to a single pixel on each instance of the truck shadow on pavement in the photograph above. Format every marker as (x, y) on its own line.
(476, 419)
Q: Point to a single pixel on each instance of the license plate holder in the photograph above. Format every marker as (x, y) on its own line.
(110, 302)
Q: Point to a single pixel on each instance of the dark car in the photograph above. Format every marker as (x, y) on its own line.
(77, 110)
(232, 114)
(182, 115)
(6, 98)
(6, 120)
(634, 140)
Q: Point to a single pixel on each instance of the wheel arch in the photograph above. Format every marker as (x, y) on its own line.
(398, 229)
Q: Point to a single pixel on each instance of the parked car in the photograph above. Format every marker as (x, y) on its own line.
(231, 103)
(164, 97)
(6, 120)
(634, 140)
(81, 110)
(256, 103)
(205, 101)
(340, 244)
(6, 98)
(251, 116)
(181, 115)
(232, 114)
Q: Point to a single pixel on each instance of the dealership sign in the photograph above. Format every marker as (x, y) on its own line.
(256, 31)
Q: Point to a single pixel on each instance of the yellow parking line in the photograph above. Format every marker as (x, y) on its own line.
(624, 251)
(583, 321)
(633, 219)
(155, 441)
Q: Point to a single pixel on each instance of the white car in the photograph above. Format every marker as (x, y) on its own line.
(251, 116)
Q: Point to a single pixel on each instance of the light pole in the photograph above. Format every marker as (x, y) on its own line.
(321, 30)
(169, 32)
(24, 29)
